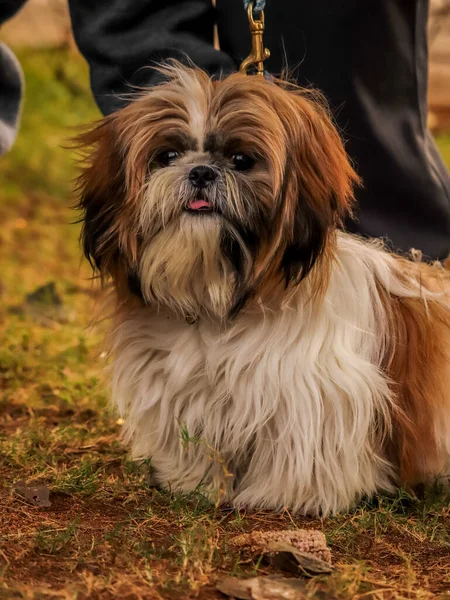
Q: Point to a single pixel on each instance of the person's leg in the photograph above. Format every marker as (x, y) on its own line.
(11, 83)
(370, 60)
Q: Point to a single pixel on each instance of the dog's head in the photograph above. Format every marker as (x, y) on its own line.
(202, 194)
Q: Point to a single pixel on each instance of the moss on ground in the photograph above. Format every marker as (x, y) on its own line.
(107, 534)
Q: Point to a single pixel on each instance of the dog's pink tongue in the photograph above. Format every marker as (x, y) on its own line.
(199, 204)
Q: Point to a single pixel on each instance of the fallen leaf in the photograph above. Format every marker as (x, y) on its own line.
(235, 588)
(37, 495)
(44, 305)
(263, 588)
(45, 294)
(287, 558)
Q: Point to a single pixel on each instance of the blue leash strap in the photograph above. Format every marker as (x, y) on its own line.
(259, 5)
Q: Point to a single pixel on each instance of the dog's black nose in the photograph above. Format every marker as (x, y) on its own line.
(202, 176)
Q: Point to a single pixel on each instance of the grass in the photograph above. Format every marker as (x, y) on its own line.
(107, 534)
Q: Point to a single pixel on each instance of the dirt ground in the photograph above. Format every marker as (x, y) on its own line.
(108, 535)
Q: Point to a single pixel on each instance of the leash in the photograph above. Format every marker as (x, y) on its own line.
(259, 6)
(258, 54)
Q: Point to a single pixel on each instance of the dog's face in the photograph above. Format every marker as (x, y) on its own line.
(202, 194)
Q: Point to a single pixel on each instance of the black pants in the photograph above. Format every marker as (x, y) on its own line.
(369, 58)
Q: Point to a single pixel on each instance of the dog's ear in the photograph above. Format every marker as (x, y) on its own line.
(102, 194)
(318, 183)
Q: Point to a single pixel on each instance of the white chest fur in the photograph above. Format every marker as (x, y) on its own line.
(292, 404)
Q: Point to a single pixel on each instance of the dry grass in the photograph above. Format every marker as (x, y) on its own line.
(107, 534)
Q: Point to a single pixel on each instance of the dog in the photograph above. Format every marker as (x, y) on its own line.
(261, 354)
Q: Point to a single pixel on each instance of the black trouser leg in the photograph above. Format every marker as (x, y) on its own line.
(370, 60)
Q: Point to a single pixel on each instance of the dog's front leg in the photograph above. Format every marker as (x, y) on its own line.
(189, 464)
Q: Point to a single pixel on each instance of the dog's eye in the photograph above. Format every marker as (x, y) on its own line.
(242, 162)
(166, 157)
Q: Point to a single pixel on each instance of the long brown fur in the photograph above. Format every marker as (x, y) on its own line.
(418, 363)
(307, 196)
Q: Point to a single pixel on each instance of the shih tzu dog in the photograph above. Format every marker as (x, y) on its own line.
(260, 353)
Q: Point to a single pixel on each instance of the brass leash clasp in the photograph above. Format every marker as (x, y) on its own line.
(259, 53)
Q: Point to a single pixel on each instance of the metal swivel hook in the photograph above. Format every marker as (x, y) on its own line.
(259, 53)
